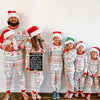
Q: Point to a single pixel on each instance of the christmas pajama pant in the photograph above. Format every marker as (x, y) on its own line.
(79, 81)
(90, 82)
(69, 76)
(18, 65)
(37, 81)
(56, 78)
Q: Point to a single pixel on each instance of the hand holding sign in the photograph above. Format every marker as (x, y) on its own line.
(36, 60)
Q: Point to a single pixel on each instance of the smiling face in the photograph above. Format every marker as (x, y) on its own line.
(80, 49)
(70, 46)
(93, 54)
(13, 21)
(56, 40)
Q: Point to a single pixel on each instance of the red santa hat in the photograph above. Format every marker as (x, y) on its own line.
(79, 44)
(57, 34)
(33, 31)
(12, 14)
(6, 33)
(96, 49)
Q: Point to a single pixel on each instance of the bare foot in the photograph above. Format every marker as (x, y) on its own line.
(34, 97)
(25, 96)
(7, 96)
(66, 95)
(88, 97)
(76, 95)
(38, 96)
(98, 94)
(70, 95)
(82, 94)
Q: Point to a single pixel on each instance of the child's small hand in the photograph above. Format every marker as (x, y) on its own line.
(49, 59)
(98, 77)
(19, 47)
(92, 75)
(42, 51)
(28, 69)
(85, 75)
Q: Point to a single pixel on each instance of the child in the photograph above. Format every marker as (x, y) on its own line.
(80, 68)
(69, 58)
(55, 53)
(35, 44)
(93, 70)
(8, 38)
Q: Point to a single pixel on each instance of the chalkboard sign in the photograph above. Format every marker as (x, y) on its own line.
(36, 60)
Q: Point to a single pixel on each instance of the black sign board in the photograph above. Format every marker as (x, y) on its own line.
(36, 60)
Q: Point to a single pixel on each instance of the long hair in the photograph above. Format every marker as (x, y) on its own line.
(35, 41)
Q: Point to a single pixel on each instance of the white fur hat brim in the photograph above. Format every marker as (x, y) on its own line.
(80, 45)
(57, 35)
(9, 33)
(13, 15)
(35, 33)
(69, 42)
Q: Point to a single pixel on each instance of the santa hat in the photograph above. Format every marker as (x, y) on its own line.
(33, 31)
(57, 34)
(79, 44)
(12, 14)
(69, 40)
(96, 49)
(6, 33)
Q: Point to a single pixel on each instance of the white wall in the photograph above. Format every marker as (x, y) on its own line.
(77, 18)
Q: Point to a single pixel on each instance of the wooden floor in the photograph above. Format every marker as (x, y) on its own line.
(45, 96)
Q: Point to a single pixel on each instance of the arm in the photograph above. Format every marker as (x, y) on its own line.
(85, 66)
(99, 70)
(27, 56)
(49, 54)
(25, 38)
(72, 57)
(89, 72)
(44, 47)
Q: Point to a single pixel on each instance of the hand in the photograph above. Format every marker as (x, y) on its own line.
(49, 59)
(98, 77)
(9, 48)
(42, 51)
(28, 69)
(84, 75)
(19, 47)
(92, 75)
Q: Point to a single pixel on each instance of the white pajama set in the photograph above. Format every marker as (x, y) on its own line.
(93, 73)
(80, 70)
(14, 59)
(38, 76)
(69, 59)
(55, 54)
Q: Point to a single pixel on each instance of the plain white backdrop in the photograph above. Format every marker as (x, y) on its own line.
(77, 18)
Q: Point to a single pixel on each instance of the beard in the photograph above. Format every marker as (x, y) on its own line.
(13, 24)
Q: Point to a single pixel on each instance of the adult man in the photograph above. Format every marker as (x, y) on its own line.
(15, 62)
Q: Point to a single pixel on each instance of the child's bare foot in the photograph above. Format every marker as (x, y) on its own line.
(7, 96)
(98, 94)
(70, 95)
(82, 94)
(88, 97)
(66, 95)
(76, 94)
(34, 97)
(25, 96)
(38, 96)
